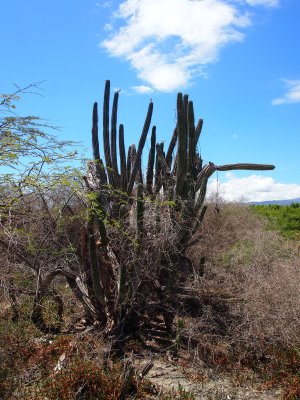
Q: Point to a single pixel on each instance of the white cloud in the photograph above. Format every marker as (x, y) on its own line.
(265, 3)
(142, 89)
(291, 96)
(253, 188)
(169, 41)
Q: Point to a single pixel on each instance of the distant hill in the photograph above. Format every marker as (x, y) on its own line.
(278, 202)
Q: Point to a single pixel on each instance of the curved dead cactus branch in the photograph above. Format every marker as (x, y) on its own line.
(44, 290)
(37, 311)
(210, 168)
(205, 174)
(245, 166)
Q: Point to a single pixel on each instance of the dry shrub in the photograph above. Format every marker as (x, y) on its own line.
(250, 288)
(82, 379)
(65, 367)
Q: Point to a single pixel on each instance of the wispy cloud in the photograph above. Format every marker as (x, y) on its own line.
(167, 42)
(253, 188)
(142, 89)
(264, 3)
(104, 4)
(292, 94)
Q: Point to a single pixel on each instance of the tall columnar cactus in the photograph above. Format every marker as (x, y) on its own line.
(177, 175)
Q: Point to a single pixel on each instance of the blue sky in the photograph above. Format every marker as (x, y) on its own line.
(239, 60)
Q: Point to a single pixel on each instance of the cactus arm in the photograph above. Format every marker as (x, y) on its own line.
(142, 141)
(205, 174)
(185, 112)
(171, 148)
(199, 163)
(132, 155)
(113, 138)
(245, 166)
(95, 138)
(94, 264)
(129, 163)
(140, 175)
(106, 129)
(139, 213)
(198, 130)
(158, 169)
(201, 195)
(182, 149)
(210, 168)
(192, 142)
(121, 287)
(123, 168)
(100, 171)
(161, 160)
(151, 158)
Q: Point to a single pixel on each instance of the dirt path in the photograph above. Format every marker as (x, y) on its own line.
(205, 385)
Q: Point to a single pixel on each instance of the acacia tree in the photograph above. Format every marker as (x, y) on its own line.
(36, 186)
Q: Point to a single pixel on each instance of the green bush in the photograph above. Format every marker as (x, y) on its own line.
(284, 218)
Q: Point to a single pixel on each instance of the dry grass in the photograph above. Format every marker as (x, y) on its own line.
(251, 285)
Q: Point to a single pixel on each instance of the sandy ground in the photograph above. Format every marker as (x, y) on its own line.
(203, 383)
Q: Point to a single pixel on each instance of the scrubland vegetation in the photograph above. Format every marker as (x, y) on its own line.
(105, 276)
(284, 218)
(239, 313)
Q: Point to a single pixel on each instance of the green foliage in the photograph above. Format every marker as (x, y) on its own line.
(23, 140)
(30, 155)
(284, 218)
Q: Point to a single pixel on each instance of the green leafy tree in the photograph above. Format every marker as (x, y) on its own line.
(28, 151)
